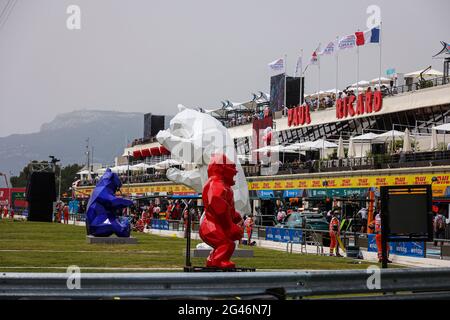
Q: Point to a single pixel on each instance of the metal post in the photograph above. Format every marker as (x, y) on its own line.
(59, 186)
(188, 240)
(383, 216)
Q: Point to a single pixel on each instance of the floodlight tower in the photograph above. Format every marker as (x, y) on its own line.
(54, 161)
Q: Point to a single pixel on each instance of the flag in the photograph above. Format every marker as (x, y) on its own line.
(445, 49)
(315, 56)
(368, 36)
(347, 42)
(277, 65)
(299, 66)
(329, 49)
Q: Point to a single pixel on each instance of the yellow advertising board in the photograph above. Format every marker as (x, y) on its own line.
(141, 189)
(439, 186)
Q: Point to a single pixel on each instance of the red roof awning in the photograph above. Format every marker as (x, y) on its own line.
(145, 153)
(163, 150)
(155, 151)
(137, 154)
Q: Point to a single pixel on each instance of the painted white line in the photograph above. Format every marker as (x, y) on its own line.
(79, 251)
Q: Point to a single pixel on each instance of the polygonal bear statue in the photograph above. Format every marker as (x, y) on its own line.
(222, 224)
(103, 209)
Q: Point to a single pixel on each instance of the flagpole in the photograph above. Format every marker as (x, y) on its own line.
(318, 90)
(301, 78)
(379, 78)
(357, 69)
(285, 89)
(337, 67)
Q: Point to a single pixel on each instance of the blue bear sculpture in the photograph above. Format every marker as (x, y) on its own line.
(101, 214)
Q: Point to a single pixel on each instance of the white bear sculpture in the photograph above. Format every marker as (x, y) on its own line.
(192, 138)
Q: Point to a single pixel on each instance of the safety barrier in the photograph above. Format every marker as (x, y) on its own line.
(279, 285)
(318, 238)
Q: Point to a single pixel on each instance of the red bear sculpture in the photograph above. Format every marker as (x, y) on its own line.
(222, 224)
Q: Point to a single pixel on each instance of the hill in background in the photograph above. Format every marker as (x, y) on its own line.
(65, 138)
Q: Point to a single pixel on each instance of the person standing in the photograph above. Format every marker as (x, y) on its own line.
(439, 227)
(66, 214)
(378, 237)
(5, 212)
(334, 234)
(249, 223)
(363, 216)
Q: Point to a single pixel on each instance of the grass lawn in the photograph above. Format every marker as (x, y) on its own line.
(52, 247)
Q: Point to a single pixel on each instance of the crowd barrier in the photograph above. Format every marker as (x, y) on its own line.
(314, 237)
(409, 283)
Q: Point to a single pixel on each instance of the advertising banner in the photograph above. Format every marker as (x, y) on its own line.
(160, 224)
(15, 197)
(357, 184)
(283, 235)
(409, 249)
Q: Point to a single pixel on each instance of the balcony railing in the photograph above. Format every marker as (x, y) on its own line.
(385, 161)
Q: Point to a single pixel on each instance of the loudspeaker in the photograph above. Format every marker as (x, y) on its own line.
(40, 211)
(294, 96)
(41, 187)
(41, 193)
(153, 124)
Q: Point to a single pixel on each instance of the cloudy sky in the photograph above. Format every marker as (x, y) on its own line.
(148, 56)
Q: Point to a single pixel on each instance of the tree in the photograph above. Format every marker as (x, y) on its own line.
(68, 176)
(21, 180)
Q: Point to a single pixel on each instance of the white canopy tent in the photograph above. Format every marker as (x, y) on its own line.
(362, 139)
(442, 127)
(141, 165)
(276, 148)
(361, 83)
(383, 80)
(366, 137)
(120, 169)
(322, 145)
(300, 146)
(432, 73)
(392, 134)
(166, 164)
(359, 89)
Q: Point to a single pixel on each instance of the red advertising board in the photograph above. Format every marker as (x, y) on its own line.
(14, 196)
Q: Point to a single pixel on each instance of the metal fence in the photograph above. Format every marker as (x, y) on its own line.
(212, 285)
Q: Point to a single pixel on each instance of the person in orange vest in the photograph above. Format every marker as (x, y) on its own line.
(5, 212)
(66, 214)
(59, 208)
(249, 223)
(376, 224)
(185, 221)
(334, 234)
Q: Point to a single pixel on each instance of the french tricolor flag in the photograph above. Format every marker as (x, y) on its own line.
(369, 36)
